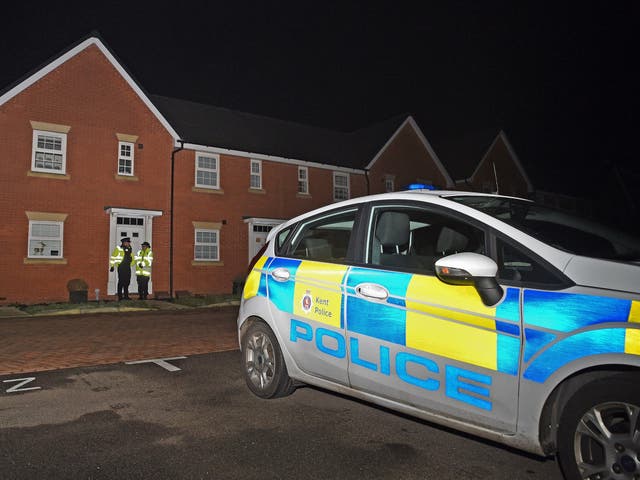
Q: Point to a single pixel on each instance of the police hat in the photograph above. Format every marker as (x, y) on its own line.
(146, 243)
(125, 239)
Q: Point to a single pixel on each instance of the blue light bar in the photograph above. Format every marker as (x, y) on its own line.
(419, 186)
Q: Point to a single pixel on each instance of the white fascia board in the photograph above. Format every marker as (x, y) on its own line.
(512, 153)
(44, 71)
(132, 211)
(264, 221)
(270, 158)
(425, 142)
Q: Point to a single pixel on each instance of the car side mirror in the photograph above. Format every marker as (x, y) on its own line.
(470, 268)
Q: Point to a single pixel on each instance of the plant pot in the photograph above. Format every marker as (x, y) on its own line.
(78, 296)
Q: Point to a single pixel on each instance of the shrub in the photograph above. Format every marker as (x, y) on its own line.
(77, 285)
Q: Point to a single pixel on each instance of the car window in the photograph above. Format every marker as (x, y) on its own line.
(514, 265)
(414, 238)
(562, 230)
(281, 238)
(324, 239)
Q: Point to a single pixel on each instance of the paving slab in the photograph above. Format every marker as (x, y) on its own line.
(40, 343)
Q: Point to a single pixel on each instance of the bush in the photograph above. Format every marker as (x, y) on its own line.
(77, 285)
(77, 290)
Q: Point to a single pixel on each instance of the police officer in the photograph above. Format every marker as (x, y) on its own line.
(122, 257)
(144, 259)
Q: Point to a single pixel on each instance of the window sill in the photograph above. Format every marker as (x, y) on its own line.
(208, 190)
(203, 263)
(303, 195)
(126, 178)
(45, 261)
(260, 191)
(57, 176)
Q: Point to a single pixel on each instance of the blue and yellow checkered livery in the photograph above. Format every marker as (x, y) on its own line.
(425, 314)
(562, 327)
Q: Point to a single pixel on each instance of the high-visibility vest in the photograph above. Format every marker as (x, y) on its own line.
(117, 256)
(144, 258)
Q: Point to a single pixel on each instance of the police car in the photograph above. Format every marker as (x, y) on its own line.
(489, 314)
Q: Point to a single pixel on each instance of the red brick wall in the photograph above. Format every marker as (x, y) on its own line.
(87, 94)
(408, 159)
(510, 179)
(278, 199)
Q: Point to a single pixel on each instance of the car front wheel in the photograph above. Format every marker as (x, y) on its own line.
(263, 364)
(599, 432)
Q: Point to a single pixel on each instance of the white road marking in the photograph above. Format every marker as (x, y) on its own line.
(23, 381)
(162, 362)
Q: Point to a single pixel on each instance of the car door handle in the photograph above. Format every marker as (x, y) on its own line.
(281, 274)
(372, 291)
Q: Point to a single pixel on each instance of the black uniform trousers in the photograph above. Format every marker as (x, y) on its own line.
(124, 278)
(143, 286)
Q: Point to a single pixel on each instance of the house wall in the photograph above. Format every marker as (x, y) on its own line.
(510, 179)
(90, 97)
(230, 206)
(87, 94)
(408, 160)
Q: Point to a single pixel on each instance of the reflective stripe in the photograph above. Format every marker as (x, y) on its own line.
(145, 258)
(117, 256)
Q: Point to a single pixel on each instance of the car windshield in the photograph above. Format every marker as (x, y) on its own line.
(562, 230)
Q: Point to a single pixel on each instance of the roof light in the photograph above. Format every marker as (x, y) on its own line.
(419, 186)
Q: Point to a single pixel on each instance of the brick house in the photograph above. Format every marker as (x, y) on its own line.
(87, 157)
(484, 161)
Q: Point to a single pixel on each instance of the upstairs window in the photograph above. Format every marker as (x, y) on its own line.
(207, 170)
(206, 247)
(340, 186)
(255, 180)
(45, 239)
(125, 158)
(389, 183)
(303, 180)
(49, 152)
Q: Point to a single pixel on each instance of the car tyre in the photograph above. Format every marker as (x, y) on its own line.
(265, 371)
(599, 432)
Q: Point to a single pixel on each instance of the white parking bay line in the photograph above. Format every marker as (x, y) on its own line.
(19, 386)
(162, 362)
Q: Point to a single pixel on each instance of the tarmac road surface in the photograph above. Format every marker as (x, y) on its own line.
(194, 418)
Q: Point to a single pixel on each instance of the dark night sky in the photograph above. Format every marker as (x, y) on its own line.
(561, 78)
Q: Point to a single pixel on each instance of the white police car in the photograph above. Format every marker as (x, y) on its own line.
(488, 314)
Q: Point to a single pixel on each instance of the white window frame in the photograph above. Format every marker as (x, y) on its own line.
(216, 244)
(124, 158)
(63, 151)
(389, 183)
(215, 170)
(337, 187)
(255, 175)
(303, 182)
(31, 238)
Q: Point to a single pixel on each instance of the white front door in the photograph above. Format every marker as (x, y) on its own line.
(259, 228)
(135, 224)
(259, 239)
(136, 234)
